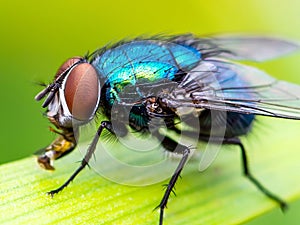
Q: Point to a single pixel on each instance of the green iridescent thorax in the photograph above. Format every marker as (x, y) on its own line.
(133, 62)
(131, 74)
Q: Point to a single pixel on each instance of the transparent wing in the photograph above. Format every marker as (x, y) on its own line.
(255, 48)
(239, 47)
(226, 86)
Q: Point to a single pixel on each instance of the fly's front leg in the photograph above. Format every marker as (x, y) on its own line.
(104, 124)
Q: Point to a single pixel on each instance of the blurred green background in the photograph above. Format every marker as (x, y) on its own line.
(37, 36)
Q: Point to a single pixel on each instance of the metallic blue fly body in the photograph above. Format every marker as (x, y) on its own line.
(195, 81)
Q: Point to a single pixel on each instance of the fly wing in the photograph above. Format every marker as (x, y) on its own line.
(255, 48)
(226, 86)
(239, 47)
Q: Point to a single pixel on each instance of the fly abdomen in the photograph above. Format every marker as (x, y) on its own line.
(236, 124)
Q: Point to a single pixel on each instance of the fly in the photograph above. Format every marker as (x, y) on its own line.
(177, 79)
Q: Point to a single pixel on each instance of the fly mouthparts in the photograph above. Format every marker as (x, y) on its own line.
(45, 162)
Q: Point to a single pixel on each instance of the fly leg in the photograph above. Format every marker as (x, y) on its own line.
(248, 174)
(236, 141)
(171, 145)
(84, 162)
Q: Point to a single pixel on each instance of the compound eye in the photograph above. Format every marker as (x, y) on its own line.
(82, 91)
(67, 65)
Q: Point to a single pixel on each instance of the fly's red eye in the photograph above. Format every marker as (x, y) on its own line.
(82, 91)
(67, 64)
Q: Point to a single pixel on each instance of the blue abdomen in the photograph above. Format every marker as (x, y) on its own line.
(236, 124)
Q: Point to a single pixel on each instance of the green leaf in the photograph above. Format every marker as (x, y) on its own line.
(219, 195)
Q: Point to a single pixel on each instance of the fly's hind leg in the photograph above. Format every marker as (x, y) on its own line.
(246, 170)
